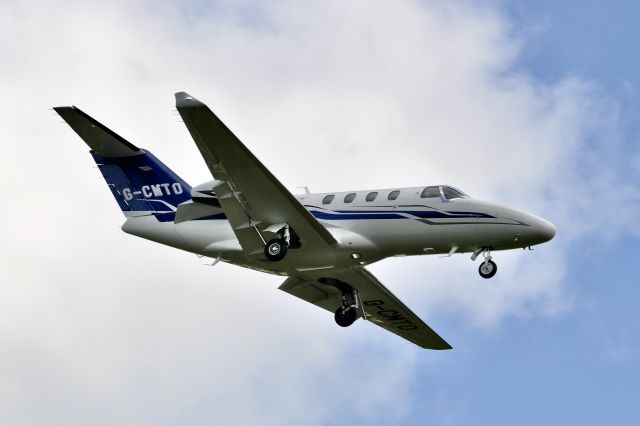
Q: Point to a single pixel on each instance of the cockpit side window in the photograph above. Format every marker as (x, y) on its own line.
(393, 195)
(328, 199)
(431, 192)
(371, 196)
(350, 197)
(452, 193)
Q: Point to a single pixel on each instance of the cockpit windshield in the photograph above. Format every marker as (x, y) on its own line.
(451, 193)
(443, 192)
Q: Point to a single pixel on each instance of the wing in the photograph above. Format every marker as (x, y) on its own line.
(249, 194)
(378, 304)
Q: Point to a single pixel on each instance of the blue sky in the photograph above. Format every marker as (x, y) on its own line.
(532, 104)
(583, 367)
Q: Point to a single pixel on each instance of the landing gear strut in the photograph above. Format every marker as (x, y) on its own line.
(488, 267)
(347, 314)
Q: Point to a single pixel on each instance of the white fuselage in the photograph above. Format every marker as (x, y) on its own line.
(366, 231)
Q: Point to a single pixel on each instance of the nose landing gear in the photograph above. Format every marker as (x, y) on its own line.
(488, 267)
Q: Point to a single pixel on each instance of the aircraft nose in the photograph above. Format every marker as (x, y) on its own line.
(543, 230)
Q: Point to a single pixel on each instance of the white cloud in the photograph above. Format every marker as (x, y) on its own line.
(97, 326)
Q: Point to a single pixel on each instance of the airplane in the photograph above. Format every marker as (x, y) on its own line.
(320, 242)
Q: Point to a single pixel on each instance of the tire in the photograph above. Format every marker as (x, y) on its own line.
(488, 271)
(275, 250)
(344, 318)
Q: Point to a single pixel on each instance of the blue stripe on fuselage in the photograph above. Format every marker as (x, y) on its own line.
(354, 215)
(395, 214)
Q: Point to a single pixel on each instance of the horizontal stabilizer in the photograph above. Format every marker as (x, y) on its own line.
(100, 139)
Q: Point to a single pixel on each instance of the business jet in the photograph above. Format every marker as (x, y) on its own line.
(320, 242)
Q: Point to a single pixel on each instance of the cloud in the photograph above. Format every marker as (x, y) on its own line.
(98, 326)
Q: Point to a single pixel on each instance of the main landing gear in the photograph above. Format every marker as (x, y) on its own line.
(347, 314)
(276, 249)
(488, 267)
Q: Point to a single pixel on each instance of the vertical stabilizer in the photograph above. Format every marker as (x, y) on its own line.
(140, 183)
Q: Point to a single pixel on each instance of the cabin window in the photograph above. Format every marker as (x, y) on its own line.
(328, 199)
(371, 196)
(393, 195)
(350, 197)
(431, 192)
(452, 193)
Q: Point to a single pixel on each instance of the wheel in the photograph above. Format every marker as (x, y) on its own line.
(488, 270)
(275, 250)
(346, 316)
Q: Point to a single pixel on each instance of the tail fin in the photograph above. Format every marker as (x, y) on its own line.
(140, 183)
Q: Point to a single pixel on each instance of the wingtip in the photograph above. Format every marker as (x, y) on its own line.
(58, 109)
(185, 100)
(439, 347)
(445, 346)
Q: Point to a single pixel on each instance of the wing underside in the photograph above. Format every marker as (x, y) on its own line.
(376, 303)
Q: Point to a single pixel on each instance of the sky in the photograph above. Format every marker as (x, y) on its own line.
(531, 104)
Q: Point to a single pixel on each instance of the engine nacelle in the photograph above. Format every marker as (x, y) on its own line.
(203, 203)
(205, 190)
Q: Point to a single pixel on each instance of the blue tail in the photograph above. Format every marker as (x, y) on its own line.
(140, 183)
